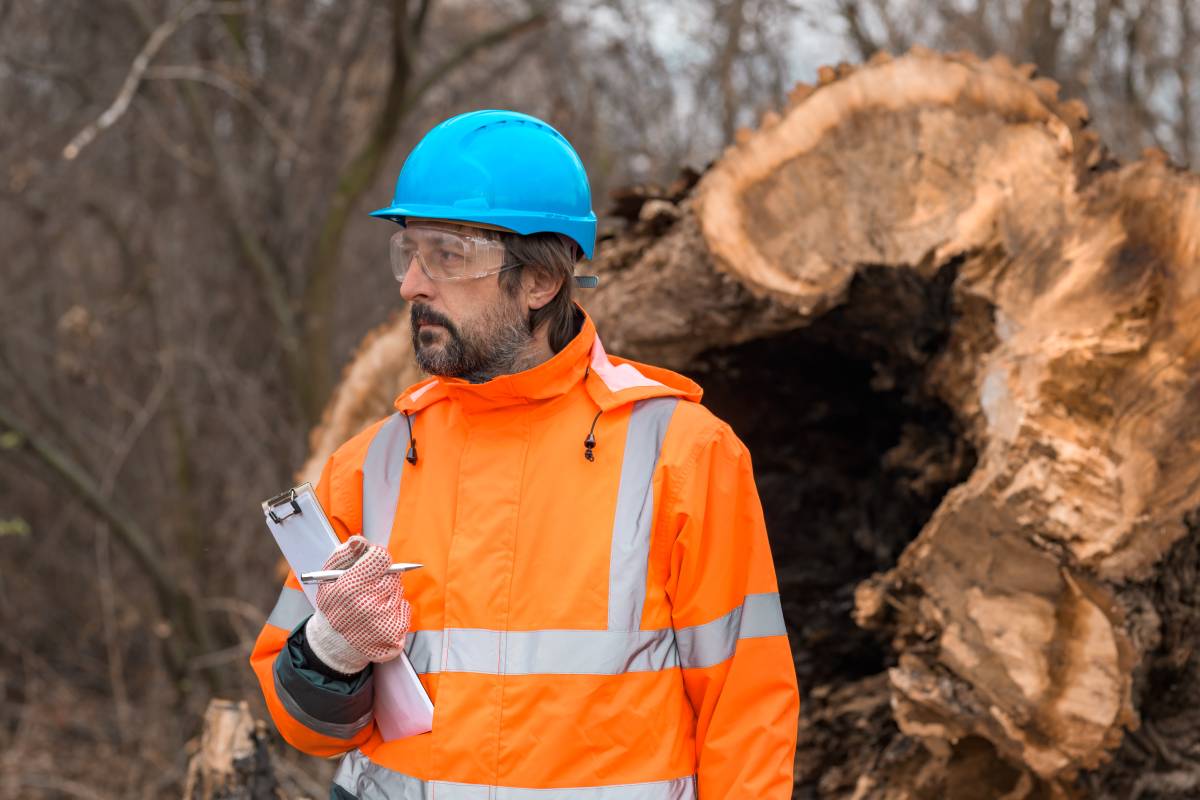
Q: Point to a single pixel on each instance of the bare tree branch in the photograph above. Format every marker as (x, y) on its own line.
(852, 14)
(1136, 91)
(287, 145)
(420, 18)
(58, 785)
(175, 604)
(441, 71)
(730, 54)
(267, 270)
(137, 71)
(172, 148)
(1041, 35)
(1185, 75)
(235, 26)
(269, 273)
(327, 103)
(87, 490)
(56, 72)
(108, 618)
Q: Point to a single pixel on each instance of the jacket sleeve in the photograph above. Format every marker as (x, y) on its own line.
(314, 714)
(737, 665)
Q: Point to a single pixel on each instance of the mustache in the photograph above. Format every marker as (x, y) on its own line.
(422, 313)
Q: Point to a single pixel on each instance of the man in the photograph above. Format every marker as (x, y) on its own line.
(598, 616)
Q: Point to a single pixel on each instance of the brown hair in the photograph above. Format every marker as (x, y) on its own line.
(553, 255)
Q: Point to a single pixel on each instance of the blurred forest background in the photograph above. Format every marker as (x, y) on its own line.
(187, 265)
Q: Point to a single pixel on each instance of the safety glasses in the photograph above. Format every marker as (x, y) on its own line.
(445, 255)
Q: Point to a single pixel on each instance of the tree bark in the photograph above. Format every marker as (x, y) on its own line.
(962, 344)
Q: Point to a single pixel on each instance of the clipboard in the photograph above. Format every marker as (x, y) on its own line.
(305, 537)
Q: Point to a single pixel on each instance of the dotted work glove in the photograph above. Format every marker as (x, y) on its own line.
(362, 616)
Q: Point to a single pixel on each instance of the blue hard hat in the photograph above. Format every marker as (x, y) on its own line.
(497, 168)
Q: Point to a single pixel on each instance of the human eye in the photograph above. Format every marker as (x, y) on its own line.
(448, 258)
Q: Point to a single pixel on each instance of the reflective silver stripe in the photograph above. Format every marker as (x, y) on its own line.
(762, 615)
(382, 469)
(630, 555)
(551, 652)
(290, 609)
(367, 780)
(585, 652)
(713, 642)
(424, 650)
(337, 731)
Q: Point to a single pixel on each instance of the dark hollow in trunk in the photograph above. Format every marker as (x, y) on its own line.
(852, 453)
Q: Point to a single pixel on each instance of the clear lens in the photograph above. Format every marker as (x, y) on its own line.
(444, 255)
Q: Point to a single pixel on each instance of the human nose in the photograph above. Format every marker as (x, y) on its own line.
(416, 284)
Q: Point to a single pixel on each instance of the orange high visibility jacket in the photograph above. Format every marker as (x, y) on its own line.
(601, 622)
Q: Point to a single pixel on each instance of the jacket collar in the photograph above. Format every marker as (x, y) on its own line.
(611, 382)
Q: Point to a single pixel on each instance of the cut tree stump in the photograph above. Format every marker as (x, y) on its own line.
(962, 344)
(231, 760)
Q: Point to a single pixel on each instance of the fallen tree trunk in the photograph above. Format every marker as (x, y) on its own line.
(962, 345)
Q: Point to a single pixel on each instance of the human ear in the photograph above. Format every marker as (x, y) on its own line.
(539, 286)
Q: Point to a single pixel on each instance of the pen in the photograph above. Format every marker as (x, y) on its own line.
(326, 575)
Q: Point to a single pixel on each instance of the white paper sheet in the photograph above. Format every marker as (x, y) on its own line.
(305, 537)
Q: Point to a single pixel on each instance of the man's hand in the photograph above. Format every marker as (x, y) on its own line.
(362, 616)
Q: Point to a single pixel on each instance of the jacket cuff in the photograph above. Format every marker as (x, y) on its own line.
(339, 707)
(311, 662)
(331, 648)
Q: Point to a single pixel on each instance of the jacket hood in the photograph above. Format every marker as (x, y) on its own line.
(610, 381)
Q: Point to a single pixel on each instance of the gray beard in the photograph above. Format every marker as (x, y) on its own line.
(495, 350)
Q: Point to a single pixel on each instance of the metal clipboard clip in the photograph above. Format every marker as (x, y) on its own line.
(283, 498)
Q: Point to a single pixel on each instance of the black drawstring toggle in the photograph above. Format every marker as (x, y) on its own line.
(411, 455)
(589, 443)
